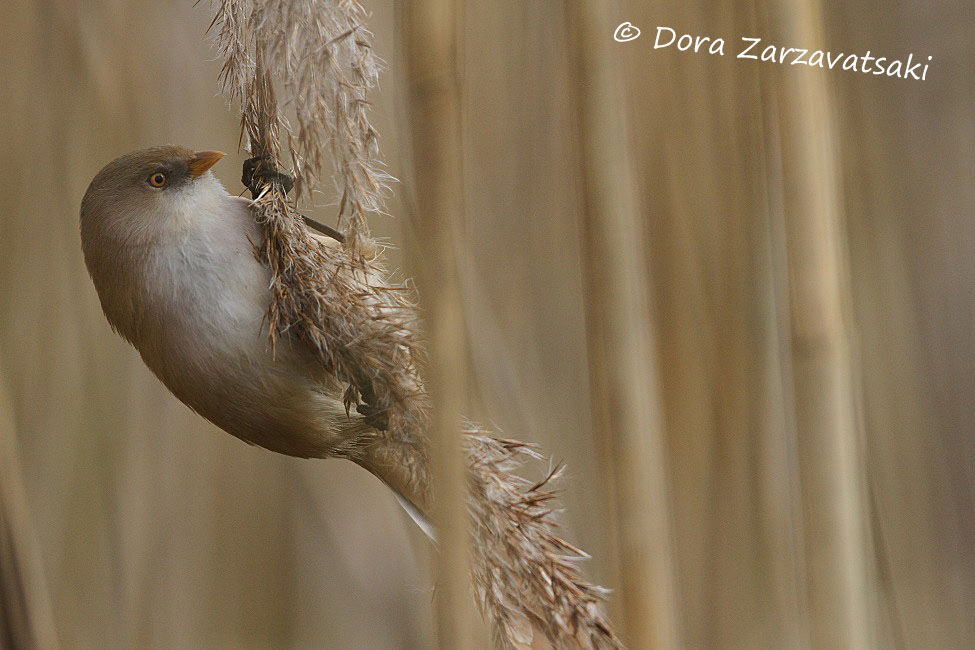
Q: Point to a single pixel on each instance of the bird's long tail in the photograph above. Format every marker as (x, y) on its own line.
(397, 466)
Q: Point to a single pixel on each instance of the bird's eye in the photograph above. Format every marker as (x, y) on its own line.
(157, 180)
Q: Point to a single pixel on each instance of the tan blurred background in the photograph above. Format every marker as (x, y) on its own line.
(133, 523)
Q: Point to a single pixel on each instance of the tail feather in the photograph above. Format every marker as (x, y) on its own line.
(418, 517)
(403, 469)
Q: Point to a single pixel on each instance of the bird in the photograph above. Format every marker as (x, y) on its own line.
(172, 257)
(174, 260)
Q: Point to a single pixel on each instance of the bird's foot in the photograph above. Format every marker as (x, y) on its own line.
(259, 172)
(377, 418)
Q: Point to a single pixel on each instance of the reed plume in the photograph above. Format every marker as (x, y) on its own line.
(525, 575)
(321, 52)
(363, 326)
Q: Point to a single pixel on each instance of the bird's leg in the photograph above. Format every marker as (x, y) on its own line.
(260, 171)
(374, 416)
(359, 393)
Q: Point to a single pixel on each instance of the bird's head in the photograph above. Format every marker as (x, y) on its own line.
(135, 192)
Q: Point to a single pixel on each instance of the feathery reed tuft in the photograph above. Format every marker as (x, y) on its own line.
(327, 68)
(524, 574)
(341, 302)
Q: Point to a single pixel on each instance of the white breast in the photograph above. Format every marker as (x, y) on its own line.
(203, 278)
(205, 334)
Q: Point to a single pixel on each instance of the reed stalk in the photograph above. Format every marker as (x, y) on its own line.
(429, 34)
(839, 578)
(621, 340)
(340, 302)
(26, 619)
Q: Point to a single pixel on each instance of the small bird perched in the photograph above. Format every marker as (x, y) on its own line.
(172, 257)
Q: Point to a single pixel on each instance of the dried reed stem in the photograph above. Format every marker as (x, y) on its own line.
(622, 353)
(327, 69)
(434, 98)
(336, 299)
(339, 301)
(26, 619)
(841, 594)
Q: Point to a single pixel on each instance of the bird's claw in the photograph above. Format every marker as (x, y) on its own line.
(259, 172)
(374, 417)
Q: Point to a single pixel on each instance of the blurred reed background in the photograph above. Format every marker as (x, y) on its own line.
(810, 252)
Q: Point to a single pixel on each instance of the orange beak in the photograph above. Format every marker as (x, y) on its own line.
(201, 161)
